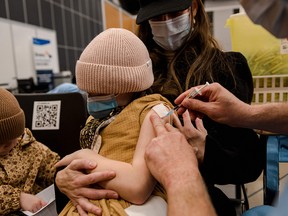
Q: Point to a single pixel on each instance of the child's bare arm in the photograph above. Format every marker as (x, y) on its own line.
(133, 182)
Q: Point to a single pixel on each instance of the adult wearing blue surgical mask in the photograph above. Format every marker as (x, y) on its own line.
(184, 54)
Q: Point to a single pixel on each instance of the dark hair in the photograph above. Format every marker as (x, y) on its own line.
(192, 64)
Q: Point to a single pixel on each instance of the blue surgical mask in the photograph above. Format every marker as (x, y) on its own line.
(171, 34)
(101, 106)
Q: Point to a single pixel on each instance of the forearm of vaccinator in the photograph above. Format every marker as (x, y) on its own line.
(190, 196)
(271, 117)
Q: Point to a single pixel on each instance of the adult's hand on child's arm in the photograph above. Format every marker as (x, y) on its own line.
(75, 184)
(32, 203)
(173, 163)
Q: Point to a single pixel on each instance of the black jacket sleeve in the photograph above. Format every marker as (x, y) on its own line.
(232, 155)
(61, 199)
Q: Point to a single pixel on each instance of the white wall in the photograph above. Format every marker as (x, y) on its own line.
(7, 63)
(16, 51)
(51, 36)
(222, 10)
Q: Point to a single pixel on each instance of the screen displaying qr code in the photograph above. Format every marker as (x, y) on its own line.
(46, 115)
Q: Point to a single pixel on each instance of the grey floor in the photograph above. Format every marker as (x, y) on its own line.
(255, 189)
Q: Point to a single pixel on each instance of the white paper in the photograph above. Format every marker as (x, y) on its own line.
(48, 195)
(155, 206)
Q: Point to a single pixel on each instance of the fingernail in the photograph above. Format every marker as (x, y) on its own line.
(98, 212)
(92, 163)
(115, 195)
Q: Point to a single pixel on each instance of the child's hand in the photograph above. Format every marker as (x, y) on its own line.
(195, 135)
(32, 203)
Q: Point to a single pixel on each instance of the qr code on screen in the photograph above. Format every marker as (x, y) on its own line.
(46, 115)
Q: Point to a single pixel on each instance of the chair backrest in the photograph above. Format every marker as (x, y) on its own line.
(26, 85)
(55, 119)
(272, 88)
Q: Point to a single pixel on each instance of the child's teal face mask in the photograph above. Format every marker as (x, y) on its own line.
(101, 106)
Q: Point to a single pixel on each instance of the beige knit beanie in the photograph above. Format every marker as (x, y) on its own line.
(12, 119)
(115, 61)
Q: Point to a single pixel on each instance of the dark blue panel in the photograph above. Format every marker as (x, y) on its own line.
(16, 10)
(69, 29)
(78, 30)
(46, 14)
(62, 59)
(72, 60)
(3, 9)
(33, 12)
(59, 27)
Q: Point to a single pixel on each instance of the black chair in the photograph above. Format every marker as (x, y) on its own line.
(55, 119)
(238, 196)
(241, 199)
(26, 85)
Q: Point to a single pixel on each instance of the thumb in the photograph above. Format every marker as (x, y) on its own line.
(196, 105)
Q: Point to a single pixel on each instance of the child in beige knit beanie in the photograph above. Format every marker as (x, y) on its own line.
(115, 70)
(26, 165)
